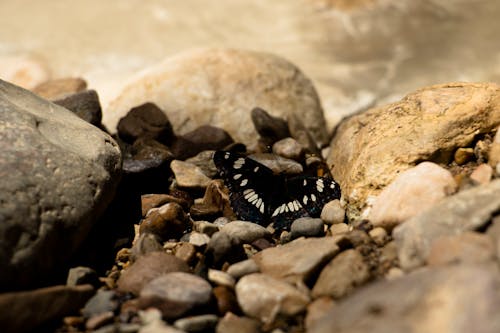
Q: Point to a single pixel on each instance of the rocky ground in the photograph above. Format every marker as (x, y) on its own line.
(134, 232)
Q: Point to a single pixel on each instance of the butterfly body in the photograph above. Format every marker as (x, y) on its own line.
(258, 195)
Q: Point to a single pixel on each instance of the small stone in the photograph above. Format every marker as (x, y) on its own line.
(185, 251)
(333, 212)
(102, 301)
(463, 155)
(84, 104)
(202, 138)
(243, 268)
(232, 323)
(176, 293)
(468, 247)
(318, 309)
(153, 323)
(379, 235)
(59, 88)
(150, 201)
(194, 324)
(482, 174)
(494, 152)
(221, 221)
(99, 320)
(264, 297)
(388, 258)
(204, 161)
(198, 239)
(226, 300)
(167, 222)
(148, 121)
(215, 200)
(261, 244)
(205, 227)
(189, 175)
(147, 268)
(278, 164)
(145, 243)
(307, 227)
(270, 128)
(288, 148)
(242, 232)
(394, 273)
(411, 192)
(82, 275)
(219, 247)
(221, 278)
(339, 229)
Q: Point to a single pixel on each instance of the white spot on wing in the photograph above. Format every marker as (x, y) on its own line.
(290, 206)
(256, 169)
(244, 182)
(313, 197)
(305, 199)
(305, 182)
(262, 207)
(237, 176)
(226, 156)
(239, 163)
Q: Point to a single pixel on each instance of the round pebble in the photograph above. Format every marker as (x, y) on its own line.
(242, 232)
(379, 235)
(333, 213)
(307, 227)
(198, 239)
(221, 278)
(288, 148)
(243, 268)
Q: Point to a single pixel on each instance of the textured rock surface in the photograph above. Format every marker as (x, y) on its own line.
(454, 299)
(220, 87)
(466, 211)
(369, 150)
(58, 174)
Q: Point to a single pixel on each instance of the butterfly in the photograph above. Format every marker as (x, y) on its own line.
(260, 196)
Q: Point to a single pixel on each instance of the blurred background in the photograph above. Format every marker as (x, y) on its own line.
(359, 53)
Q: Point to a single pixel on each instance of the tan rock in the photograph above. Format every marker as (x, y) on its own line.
(410, 193)
(220, 87)
(369, 150)
(59, 88)
(482, 174)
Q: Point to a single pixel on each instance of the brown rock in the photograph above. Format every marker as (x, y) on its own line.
(463, 155)
(232, 323)
(203, 138)
(369, 150)
(24, 70)
(318, 309)
(59, 88)
(226, 300)
(482, 174)
(84, 104)
(149, 201)
(185, 251)
(147, 268)
(168, 221)
(189, 175)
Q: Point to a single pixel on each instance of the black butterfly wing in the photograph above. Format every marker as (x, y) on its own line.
(249, 184)
(313, 192)
(286, 209)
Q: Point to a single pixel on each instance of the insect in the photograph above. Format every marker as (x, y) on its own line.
(258, 195)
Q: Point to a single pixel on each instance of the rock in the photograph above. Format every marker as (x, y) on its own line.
(316, 310)
(145, 243)
(148, 121)
(439, 301)
(482, 174)
(26, 71)
(242, 268)
(229, 84)
(82, 275)
(198, 239)
(226, 300)
(264, 297)
(176, 293)
(333, 212)
(410, 193)
(307, 227)
(463, 155)
(288, 148)
(379, 235)
(203, 138)
(342, 275)
(297, 260)
(271, 129)
(232, 323)
(468, 210)
(221, 278)
(214, 201)
(494, 153)
(59, 88)
(84, 104)
(468, 247)
(339, 229)
(242, 232)
(185, 251)
(167, 222)
(188, 175)
(27, 310)
(149, 201)
(278, 164)
(205, 227)
(371, 149)
(204, 161)
(147, 268)
(151, 318)
(58, 175)
(219, 247)
(99, 320)
(102, 301)
(202, 323)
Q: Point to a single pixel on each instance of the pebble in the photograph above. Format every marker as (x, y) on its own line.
(144, 244)
(278, 164)
(149, 201)
(219, 247)
(215, 201)
(176, 293)
(188, 175)
(204, 161)
(153, 323)
(195, 324)
(242, 232)
(317, 309)
(242, 268)
(99, 320)
(494, 152)
(198, 239)
(103, 301)
(288, 148)
(226, 300)
(84, 104)
(264, 297)
(394, 273)
(463, 155)
(307, 227)
(205, 227)
(167, 222)
(410, 193)
(333, 212)
(185, 251)
(482, 174)
(221, 278)
(379, 235)
(342, 275)
(24, 70)
(269, 128)
(82, 275)
(339, 229)
(203, 138)
(232, 323)
(297, 260)
(147, 268)
(59, 88)
(468, 247)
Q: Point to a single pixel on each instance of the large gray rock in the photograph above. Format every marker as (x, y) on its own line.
(58, 174)
(453, 299)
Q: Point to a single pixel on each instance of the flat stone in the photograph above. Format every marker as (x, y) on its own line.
(297, 260)
(333, 212)
(342, 275)
(413, 191)
(189, 175)
(307, 227)
(201, 323)
(204, 160)
(430, 300)
(264, 297)
(147, 268)
(59, 174)
(232, 323)
(176, 293)
(242, 268)
(25, 311)
(271, 129)
(466, 211)
(242, 232)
